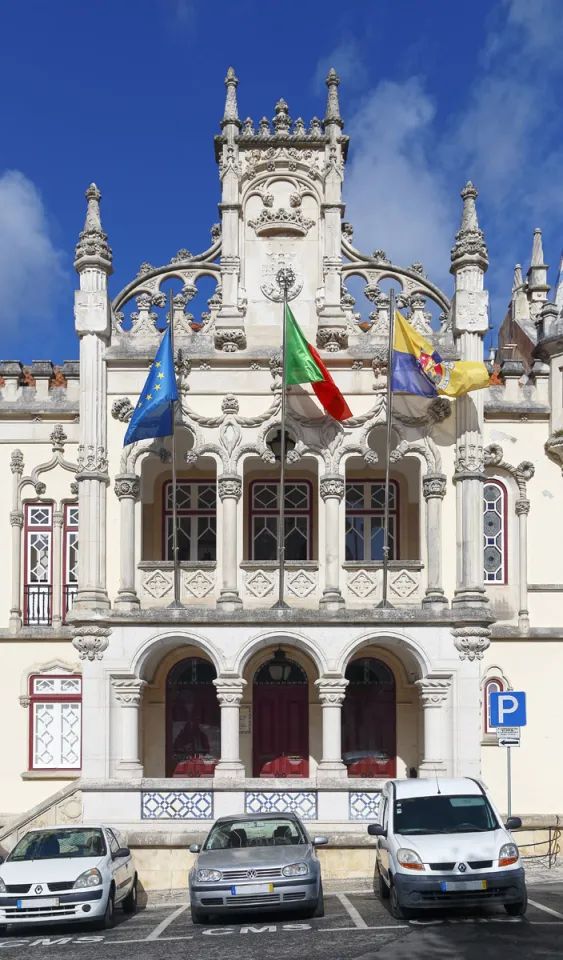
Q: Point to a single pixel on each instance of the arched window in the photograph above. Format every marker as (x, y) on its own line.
(38, 564)
(494, 532)
(492, 685)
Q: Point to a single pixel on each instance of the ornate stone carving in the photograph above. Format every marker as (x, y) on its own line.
(157, 584)
(301, 583)
(471, 641)
(91, 641)
(522, 507)
(434, 485)
(274, 262)
(404, 583)
(332, 339)
(92, 241)
(58, 438)
(470, 458)
(362, 583)
(470, 240)
(91, 460)
(127, 485)
(260, 583)
(25, 701)
(230, 690)
(16, 518)
(331, 690)
(144, 269)
(230, 339)
(332, 486)
(199, 583)
(16, 461)
(281, 220)
(230, 404)
(434, 691)
(128, 691)
(182, 256)
(282, 121)
(229, 487)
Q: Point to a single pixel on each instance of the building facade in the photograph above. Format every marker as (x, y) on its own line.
(118, 705)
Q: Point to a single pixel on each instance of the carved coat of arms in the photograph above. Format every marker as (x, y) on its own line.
(273, 263)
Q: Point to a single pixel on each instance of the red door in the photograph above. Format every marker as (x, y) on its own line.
(193, 720)
(280, 720)
(369, 720)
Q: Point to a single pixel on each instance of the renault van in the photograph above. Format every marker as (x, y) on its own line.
(442, 843)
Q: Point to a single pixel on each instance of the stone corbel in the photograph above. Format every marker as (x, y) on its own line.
(91, 641)
(471, 641)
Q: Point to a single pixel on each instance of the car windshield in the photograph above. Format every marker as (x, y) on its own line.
(443, 814)
(56, 844)
(233, 834)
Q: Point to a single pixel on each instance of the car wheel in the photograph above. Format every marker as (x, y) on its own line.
(130, 902)
(397, 910)
(197, 915)
(106, 921)
(517, 909)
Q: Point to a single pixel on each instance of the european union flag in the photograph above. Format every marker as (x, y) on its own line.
(152, 417)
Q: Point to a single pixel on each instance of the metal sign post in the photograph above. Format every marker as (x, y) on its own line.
(508, 783)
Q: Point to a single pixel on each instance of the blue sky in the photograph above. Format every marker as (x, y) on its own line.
(129, 94)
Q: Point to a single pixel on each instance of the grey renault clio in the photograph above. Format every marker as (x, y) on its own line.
(256, 862)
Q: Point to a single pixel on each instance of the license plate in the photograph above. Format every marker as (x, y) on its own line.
(39, 902)
(250, 889)
(464, 885)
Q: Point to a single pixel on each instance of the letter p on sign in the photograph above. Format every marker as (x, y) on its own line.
(508, 709)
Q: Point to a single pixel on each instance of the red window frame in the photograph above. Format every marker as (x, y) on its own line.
(68, 528)
(499, 688)
(291, 511)
(197, 512)
(498, 483)
(35, 698)
(375, 512)
(27, 530)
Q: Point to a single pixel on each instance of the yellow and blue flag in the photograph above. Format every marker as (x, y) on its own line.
(418, 368)
(152, 417)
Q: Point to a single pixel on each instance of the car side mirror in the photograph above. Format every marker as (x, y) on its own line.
(319, 841)
(122, 852)
(195, 848)
(376, 830)
(513, 823)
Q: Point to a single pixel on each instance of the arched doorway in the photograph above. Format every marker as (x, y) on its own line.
(280, 741)
(193, 719)
(369, 741)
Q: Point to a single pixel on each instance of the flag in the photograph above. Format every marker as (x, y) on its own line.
(418, 368)
(153, 415)
(304, 365)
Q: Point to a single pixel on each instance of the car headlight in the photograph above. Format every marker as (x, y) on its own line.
(409, 859)
(295, 870)
(508, 854)
(2, 886)
(204, 876)
(90, 878)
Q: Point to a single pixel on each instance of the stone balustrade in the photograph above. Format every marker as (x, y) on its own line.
(363, 583)
(198, 583)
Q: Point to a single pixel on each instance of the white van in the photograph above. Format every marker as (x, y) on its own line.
(442, 843)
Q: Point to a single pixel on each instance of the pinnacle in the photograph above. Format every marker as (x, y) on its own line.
(92, 193)
(469, 190)
(332, 77)
(231, 76)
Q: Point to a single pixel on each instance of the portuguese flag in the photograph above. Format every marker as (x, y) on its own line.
(303, 365)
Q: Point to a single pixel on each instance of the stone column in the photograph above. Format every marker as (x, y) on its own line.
(434, 491)
(58, 523)
(127, 488)
(522, 511)
(332, 493)
(93, 326)
(229, 694)
(128, 692)
(332, 334)
(434, 692)
(332, 691)
(16, 521)
(470, 324)
(230, 492)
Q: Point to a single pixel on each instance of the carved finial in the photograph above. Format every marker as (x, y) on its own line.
(282, 120)
(92, 241)
(332, 104)
(231, 108)
(264, 130)
(248, 128)
(315, 130)
(470, 240)
(537, 250)
(58, 438)
(517, 282)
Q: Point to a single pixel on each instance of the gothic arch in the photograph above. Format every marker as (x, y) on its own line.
(275, 638)
(413, 657)
(147, 658)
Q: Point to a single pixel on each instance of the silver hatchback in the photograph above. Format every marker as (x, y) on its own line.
(256, 862)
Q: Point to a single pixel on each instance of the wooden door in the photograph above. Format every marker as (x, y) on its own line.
(193, 720)
(281, 725)
(369, 739)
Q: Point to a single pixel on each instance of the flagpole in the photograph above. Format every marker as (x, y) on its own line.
(386, 548)
(176, 568)
(285, 279)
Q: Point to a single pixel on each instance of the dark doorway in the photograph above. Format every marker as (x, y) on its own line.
(369, 739)
(280, 719)
(193, 720)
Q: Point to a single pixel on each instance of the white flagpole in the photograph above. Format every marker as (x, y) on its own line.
(285, 279)
(386, 548)
(176, 569)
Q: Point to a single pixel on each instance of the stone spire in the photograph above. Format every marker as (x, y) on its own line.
(231, 108)
(559, 287)
(517, 282)
(470, 246)
(537, 274)
(332, 104)
(537, 250)
(92, 246)
(282, 121)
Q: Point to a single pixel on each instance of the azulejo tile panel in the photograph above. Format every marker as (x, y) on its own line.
(304, 804)
(364, 806)
(176, 805)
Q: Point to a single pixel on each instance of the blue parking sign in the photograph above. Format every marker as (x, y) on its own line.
(508, 709)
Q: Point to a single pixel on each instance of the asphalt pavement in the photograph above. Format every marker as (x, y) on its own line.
(356, 927)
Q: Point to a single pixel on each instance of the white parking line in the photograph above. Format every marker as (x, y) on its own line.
(355, 917)
(540, 906)
(402, 926)
(155, 934)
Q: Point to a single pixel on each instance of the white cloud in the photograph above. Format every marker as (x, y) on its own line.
(31, 268)
(348, 63)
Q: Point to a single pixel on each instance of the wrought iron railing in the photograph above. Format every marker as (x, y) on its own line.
(38, 604)
(69, 592)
